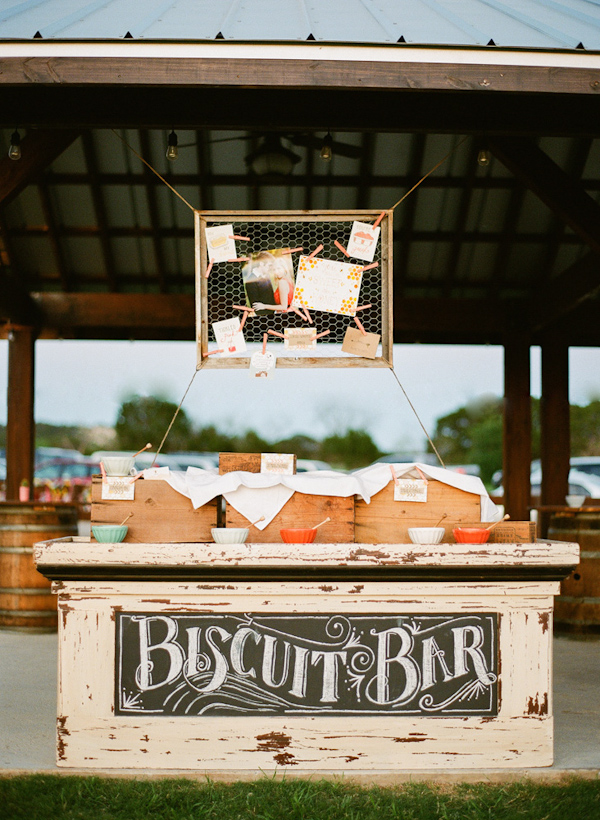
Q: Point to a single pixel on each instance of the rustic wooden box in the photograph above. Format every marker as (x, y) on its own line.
(514, 532)
(160, 514)
(304, 511)
(250, 462)
(385, 521)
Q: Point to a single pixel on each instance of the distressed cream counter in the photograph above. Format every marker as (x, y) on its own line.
(321, 657)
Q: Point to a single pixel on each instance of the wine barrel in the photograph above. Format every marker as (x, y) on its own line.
(26, 602)
(577, 609)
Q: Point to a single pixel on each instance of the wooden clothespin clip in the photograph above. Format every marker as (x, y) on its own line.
(394, 476)
(378, 220)
(363, 307)
(340, 247)
(368, 267)
(275, 333)
(359, 324)
(421, 473)
(292, 250)
(308, 316)
(103, 471)
(241, 238)
(210, 352)
(317, 250)
(209, 268)
(264, 347)
(324, 333)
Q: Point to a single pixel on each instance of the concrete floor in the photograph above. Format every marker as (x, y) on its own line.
(28, 665)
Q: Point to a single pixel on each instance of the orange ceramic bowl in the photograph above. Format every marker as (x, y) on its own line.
(470, 535)
(298, 536)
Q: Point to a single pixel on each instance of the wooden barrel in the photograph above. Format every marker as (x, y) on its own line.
(26, 602)
(578, 607)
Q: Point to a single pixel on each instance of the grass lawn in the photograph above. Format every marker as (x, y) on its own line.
(52, 797)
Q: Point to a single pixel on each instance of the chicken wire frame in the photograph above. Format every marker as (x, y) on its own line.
(240, 221)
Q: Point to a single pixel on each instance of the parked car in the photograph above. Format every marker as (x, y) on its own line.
(584, 464)
(580, 483)
(67, 480)
(206, 461)
(143, 460)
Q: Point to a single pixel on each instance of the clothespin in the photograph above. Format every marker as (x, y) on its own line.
(275, 333)
(324, 333)
(291, 250)
(243, 322)
(308, 317)
(103, 471)
(209, 268)
(368, 267)
(264, 348)
(340, 247)
(240, 259)
(316, 251)
(360, 326)
(421, 473)
(379, 218)
(394, 476)
(241, 238)
(242, 307)
(363, 307)
(135, 478)
(210, 352)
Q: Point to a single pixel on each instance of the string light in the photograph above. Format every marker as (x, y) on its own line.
(327, 148)
(172, 149)
(483, 157)
(14, 151)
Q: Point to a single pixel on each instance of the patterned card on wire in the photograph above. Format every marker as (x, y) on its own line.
(323, 284)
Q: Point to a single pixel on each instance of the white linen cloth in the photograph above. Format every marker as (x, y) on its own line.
(256, 495)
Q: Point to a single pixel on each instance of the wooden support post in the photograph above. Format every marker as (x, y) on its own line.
(517, 427)
(20, 446)
(555, 443)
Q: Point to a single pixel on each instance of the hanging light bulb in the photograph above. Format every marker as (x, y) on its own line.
(483, 157)
(172, 150)
(326, 148)
(14, 151)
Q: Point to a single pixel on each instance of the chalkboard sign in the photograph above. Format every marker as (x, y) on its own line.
(244, 664)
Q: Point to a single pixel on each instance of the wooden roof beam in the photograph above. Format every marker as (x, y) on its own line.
(38, 150)
(565, 293)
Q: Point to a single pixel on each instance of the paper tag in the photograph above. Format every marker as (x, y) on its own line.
(410, 489)
(118, 488)
(323, 284)
(363, 241)
(277, 463)
(299, 338)
(361, 344)
(262, 365)
(155, 473)
(219, 246)
(230, 339)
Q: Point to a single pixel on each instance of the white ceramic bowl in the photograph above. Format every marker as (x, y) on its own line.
(426, 535)
(118, 465)
(576, 500)
(230, 535)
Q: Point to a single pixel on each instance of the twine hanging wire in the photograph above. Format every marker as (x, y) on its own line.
(402, 198)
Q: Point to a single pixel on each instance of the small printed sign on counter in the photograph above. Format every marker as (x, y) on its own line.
(410, 489)
(277, 463)
(118, 488)
(361, 344)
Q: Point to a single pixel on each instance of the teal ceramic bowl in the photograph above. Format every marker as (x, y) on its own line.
(109, 533)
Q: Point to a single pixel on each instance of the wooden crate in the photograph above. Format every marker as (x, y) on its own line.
(509, 532)
(250, 462)
(304, 511)
(160, 514)
(385, 521)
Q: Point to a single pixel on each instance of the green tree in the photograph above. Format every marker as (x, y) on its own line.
(147, 418)
(354, 449)
(585, 429)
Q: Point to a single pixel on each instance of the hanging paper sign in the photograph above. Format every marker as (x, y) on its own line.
(229, 337)
(262, 365)
(410, 489)
(361, 344)
(323, 284)
(219, 244)
(118, 488)
(277, 463)
(363, 241)
(299, 338)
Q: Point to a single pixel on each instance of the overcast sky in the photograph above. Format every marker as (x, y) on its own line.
(85, 383)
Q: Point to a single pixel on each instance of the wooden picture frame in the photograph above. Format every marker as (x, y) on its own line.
(206, 314)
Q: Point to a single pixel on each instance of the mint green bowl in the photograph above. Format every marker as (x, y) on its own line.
(109, 533)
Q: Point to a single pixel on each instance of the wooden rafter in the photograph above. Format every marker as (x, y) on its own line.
(38, 150)
(99, 210)
(406, 217)
(461, 220)
(203, 155)
(53, 236)
(365, 170)
(154, 216)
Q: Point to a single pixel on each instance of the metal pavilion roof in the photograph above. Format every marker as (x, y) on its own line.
(527, 24)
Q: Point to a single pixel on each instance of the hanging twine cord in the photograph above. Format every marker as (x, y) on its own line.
(174, 417)
(154, 171)
(412, 407)
(435, 167)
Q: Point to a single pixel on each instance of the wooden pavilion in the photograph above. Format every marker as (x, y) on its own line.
(498, 247)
